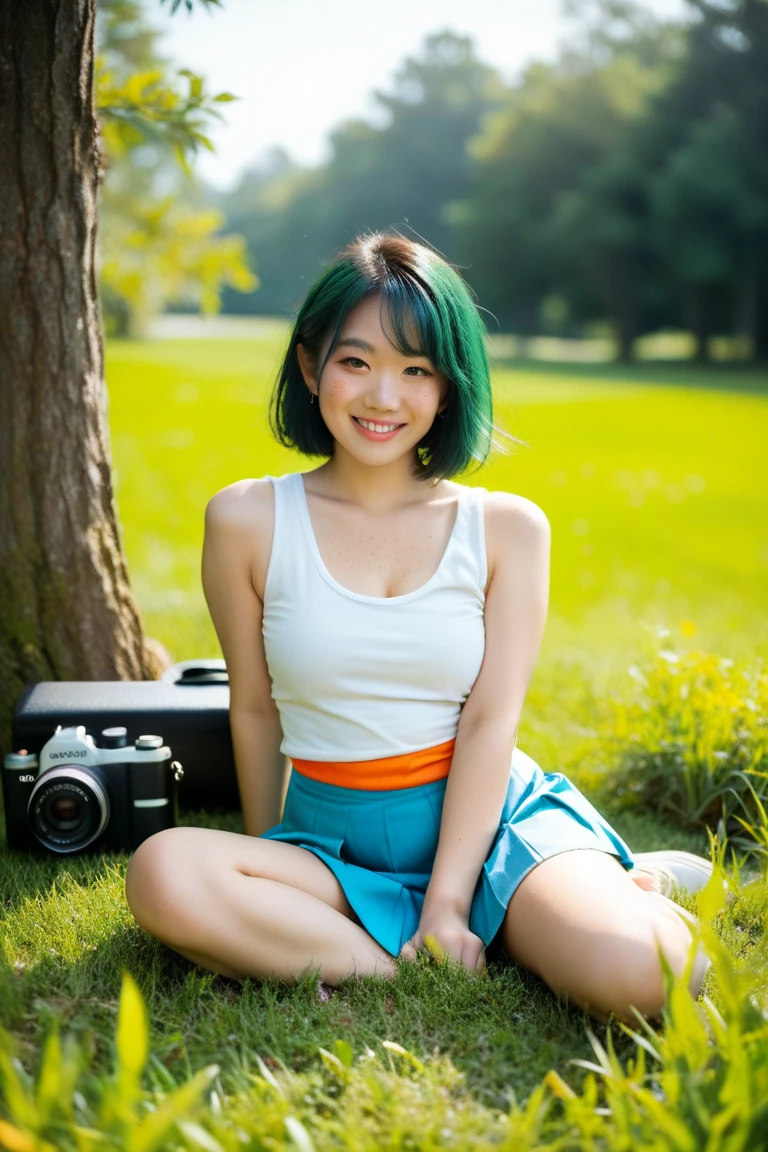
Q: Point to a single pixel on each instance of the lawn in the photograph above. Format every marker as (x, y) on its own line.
(655, 481)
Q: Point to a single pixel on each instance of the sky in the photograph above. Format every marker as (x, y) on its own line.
(301, 67)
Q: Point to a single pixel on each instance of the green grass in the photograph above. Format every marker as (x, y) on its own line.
(656, 485)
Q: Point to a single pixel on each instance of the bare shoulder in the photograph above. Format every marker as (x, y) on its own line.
(244, 513)
(513, 524)
(241, 501)
(514, 513)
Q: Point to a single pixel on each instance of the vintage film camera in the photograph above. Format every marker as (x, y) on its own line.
(78, 796)
(189, 705)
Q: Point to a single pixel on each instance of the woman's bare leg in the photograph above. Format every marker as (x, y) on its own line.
(579, 922)
(246, 906)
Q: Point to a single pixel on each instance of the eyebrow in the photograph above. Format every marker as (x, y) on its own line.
(364, 346)
(355, 342)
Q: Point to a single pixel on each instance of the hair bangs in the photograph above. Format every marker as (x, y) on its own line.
(410, 319)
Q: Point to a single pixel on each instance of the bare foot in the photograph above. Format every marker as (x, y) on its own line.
(645, 880)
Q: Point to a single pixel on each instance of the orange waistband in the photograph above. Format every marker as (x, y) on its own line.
(406, 771)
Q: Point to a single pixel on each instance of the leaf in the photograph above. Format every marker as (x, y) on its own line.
(161, 1074)
(398, 1048)
(132, 1031)
(198, 1137)
(344, 1052)
(713, 897)
(334, 1065)
(49, 1083)
(13, 1140)
(195, 84)
(673, 1129)
(224, 98)
(555, 1082)
(299, 1134)
(641, 1042)
(17, 1090)
(267, 1074)
(148, 1134)
(592, 1067)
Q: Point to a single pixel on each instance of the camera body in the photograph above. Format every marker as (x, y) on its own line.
(77, 796)
(189, 705)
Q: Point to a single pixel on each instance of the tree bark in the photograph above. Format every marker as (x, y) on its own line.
(760, 326)
(698, 321)
(620, 298)
(66, 608)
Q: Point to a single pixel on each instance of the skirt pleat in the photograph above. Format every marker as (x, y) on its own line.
(381, 845)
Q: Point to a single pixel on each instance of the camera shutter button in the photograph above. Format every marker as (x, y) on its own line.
(114, 737)
(145, 743)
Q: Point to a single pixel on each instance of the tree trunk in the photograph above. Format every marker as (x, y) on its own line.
(760, 327)
(620, 297)
(66, 607)
(698, 321)
(745, 306)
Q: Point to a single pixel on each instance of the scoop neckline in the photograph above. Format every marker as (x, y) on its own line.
(329, 579)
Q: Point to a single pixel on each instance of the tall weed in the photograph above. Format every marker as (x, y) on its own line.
(692, 742)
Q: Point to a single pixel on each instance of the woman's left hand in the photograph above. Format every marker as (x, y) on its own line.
(446, 934)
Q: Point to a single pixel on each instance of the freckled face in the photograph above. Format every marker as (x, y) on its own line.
(366, 379)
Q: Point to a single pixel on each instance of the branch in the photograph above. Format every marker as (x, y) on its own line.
(189, 4)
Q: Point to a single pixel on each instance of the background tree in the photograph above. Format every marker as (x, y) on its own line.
(558, 196)
(710, 188)
(624, 184)
(401, 174)
(66, 606)
(631, 177)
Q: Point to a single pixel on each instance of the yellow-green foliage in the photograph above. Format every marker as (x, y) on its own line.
(693, 742)
(158, 249)
(164, 250)
(700, 1083)
(147, 105)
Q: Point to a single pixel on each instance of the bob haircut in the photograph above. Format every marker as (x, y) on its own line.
(430, 312)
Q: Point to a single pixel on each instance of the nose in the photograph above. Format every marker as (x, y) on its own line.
(382, 394)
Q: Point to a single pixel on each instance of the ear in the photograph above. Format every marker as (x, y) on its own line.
(443, 400)
(308, 365)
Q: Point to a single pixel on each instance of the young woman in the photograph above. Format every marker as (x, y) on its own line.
(380, 624)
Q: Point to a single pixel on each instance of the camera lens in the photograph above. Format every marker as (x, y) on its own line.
(65, 811)
(68, 808)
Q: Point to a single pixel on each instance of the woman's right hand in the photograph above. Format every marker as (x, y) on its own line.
(446, 933)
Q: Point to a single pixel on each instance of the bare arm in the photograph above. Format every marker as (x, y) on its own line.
(261, 777)
(236, 521)
(515, 615)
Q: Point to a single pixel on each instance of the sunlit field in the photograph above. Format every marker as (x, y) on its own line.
(655, 481)
(655, 485)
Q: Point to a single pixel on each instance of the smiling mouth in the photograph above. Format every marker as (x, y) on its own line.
(394, 428)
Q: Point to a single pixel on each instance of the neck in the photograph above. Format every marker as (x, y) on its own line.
(383, 488)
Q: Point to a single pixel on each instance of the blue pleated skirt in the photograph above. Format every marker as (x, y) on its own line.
(381, 845)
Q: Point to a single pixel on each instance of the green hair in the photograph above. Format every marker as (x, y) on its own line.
(425, 300)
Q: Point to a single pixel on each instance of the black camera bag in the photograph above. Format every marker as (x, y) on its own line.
(188, 707)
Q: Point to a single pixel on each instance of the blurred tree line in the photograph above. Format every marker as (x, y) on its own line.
(627, 181)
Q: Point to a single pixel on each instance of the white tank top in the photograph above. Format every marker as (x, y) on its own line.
(361, 677)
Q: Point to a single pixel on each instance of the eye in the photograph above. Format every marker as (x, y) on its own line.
(354, 362)
(418, 368)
